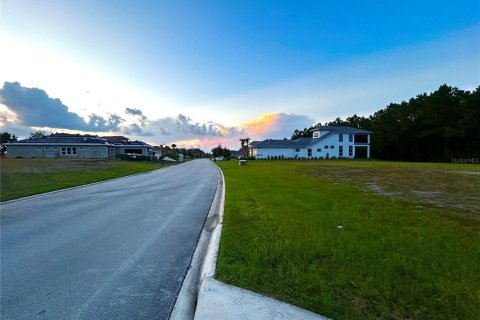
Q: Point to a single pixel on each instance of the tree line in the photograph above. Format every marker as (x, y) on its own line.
(439, 126)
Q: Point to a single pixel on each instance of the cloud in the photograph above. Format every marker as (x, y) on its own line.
(276, 125)
(136, 113)
(33, 107)
(183, 127)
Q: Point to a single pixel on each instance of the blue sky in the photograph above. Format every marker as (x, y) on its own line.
(232, 65)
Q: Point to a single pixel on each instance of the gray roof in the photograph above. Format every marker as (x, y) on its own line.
(299, 143)
(67, 138)
(130, 143)
(253, 144)
(340, 129)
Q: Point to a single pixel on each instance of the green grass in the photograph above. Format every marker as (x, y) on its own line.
(408, 247)
(25, 177)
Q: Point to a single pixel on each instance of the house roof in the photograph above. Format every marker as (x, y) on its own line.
(84, 139)
(253, 144)
(271, 143)
(115, 138)
(340, 129)
(65, 138)
(130, 143)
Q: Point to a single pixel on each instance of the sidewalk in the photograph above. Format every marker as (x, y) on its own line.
(217, 300)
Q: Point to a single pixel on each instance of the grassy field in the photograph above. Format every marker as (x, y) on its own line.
(25, 177)
(355, 239)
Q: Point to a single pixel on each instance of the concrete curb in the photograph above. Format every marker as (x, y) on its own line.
(200, 266)
(203, 297)
(77, 187)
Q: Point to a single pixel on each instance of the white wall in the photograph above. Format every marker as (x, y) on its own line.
(332, 140)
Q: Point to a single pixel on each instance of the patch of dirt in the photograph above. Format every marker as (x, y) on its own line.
(423, 185)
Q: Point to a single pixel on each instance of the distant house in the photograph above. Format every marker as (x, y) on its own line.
(65, 145)
(235, 153)
(327, 142)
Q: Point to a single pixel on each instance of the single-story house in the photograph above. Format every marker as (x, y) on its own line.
(327, 142)
(65, 145)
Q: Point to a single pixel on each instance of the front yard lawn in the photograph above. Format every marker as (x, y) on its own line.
(355, 239)
(25, 177)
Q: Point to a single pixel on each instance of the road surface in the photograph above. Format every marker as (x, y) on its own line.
(114, 250)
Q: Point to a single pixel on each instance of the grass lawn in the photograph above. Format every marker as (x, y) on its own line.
(355, 239)
(25, 177)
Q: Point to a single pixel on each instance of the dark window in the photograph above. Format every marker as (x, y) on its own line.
(350, 151)
(340, 138)
(319, 149)
(297, 150)
(136, 151)
(332, 147)
(309, 152)
(326, 147)
(350, 137)
(69, 150)
(74, 150)
(64, 151)
(340, 151)
(361, 138)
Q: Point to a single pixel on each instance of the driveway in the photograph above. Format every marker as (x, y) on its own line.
(114, 250)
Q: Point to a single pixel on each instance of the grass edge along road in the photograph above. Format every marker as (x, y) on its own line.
(343, 251)
(26, 177)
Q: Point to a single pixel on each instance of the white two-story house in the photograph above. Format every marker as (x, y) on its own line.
(327, 142)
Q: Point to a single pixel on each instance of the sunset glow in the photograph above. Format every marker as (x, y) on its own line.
(260, 127)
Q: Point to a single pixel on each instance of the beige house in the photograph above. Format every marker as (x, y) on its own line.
(64, 145)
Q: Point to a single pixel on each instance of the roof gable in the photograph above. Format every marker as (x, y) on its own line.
(340, 129)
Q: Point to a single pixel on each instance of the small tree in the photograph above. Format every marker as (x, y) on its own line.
(6, 137)
(226, 153)
(217, 151)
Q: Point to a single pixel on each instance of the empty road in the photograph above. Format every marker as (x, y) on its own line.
(114, 250)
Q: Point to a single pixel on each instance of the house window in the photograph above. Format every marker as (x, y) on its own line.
(64, 151)
(316, 134)
(74, 150)
(326, 147)
(134, 151)
(350, 137)
(340, 151)
(340, 138)
(297, 150)
(319, 149)
(350, 151)
(332, 147)
(309, 152)
(69, 150)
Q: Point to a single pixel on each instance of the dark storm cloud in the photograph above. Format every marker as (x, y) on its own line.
(35, 108)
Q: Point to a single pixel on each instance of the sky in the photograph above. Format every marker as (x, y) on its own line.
(203, 73)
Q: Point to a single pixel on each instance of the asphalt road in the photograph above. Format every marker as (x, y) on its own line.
(114, 250)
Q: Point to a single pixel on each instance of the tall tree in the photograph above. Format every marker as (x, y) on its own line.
(439, 126)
